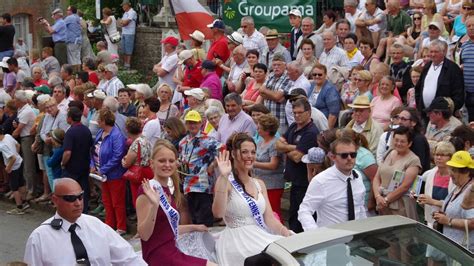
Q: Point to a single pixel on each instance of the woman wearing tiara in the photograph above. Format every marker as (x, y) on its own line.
(243, 202)
(157, 212)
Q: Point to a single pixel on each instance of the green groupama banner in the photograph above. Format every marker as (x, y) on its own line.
(270, 13)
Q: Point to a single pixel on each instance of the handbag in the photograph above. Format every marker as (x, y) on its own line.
(136, 173)
(114, 38)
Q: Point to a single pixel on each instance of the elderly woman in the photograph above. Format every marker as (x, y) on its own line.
(349, 89)
(269, 164)
(350, 45)
(108, 151)
(459, 26)
(308, 59)
(196, 101)
(88, 65)
(452, 217)
(138, 154)
(329, 22)
(110, 24)
(37, 75)
(323, 95)
(363, 80)
(213, 115)
(174, 130)
(251, 94)
(167, 109)
(391, 192)
(437, 181)
(384, 103)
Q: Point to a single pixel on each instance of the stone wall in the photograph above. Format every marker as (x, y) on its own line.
(147, 51)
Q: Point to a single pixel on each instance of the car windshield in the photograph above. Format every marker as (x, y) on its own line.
(405, 245)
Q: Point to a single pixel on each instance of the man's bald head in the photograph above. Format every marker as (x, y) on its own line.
(68, 199)
(66, 184)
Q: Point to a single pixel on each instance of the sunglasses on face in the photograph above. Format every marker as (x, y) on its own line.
(416, 18)
(71, 198)
(466, 7)
(345, 155)
(317, 74)
(432, 28)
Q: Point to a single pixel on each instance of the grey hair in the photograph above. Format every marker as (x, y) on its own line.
(329, 32)
(21, 96)
(60, 86)
(111, 103)
(441, 45)
(43, 98)
(240, 50)
(5, 97)
(353, 3)
(295, 65)
(38, 67)
(213, 110)
(233, 97)
(55, 81)
(248, 19)
(311, 20)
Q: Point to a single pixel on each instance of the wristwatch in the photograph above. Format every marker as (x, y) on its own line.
(450, 224)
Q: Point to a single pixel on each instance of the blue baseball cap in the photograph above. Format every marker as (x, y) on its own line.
(217, 24)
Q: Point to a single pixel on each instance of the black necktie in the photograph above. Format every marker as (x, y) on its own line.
(350, 201)
(79, 249)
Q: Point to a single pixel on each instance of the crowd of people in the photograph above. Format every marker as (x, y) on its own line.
(346, 118)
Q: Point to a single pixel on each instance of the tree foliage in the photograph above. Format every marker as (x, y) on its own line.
(88, 7)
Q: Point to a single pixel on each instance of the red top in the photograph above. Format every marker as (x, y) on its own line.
(160, 249)
(193, 76)
(251, 94)
(41, 82)
(219, 50)
(93, 78)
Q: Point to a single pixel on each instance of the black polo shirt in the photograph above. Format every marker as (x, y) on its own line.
(78, 140)
(304, 139)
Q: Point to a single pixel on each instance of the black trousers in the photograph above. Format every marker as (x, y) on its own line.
(469, 102)
(296, 197)
(200, 208)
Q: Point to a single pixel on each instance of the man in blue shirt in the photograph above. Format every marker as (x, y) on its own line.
(467, 61)
(58, 33)
(73, 36)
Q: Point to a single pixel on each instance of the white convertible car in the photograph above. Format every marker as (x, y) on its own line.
(382, 240)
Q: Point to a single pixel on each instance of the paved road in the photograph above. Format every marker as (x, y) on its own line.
(14, 231)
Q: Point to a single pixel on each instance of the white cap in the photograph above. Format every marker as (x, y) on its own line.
(142, 88)
(235, 37)
(436, 24)
(197, 35)
(186, 54)
(98, 94)
(295, 12)
(42, 98)
(196, 93)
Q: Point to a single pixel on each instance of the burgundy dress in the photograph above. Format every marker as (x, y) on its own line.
(161, 248)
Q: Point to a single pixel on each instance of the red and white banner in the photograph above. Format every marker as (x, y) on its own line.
(191, 16)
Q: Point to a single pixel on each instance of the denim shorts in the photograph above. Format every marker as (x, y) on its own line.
(128, 43)
(8, 53)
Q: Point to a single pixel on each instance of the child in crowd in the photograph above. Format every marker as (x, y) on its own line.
(54, 161)
(415, 74)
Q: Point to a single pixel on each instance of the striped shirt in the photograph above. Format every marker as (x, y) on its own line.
(334, 57)
(283, 84)
(467, 59)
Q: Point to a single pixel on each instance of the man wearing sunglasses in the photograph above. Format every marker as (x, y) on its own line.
(336, 194)
(71, 238)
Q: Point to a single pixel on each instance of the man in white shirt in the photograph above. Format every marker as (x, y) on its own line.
(253, 39)
(238, 54)
(113, 83)
(166, 68)
(59, 94)
(332, 55)
(299, 80)
(329, 193)
(352, 13)
(70, 237)
(307, 27)
(26, 120)
(151, 128)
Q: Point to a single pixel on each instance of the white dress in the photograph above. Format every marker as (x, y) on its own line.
(111, 30)
(242, 237)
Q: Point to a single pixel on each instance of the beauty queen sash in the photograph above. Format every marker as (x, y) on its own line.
(171, 213)
(250, 201)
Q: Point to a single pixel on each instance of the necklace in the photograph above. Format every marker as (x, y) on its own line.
(436, 67)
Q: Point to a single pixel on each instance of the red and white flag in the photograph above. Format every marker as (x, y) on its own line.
(191, 16)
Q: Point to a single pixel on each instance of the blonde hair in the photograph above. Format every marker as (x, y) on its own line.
(445, 147)
(165, 144)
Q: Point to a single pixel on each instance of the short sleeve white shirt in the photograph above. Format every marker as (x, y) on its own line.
(113, 86)
(132, 16)
(169, 62)
(8, 149)
(255, 41)
(26, 116)
(152, 131)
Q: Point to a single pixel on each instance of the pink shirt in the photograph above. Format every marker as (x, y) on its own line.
(381, 109)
